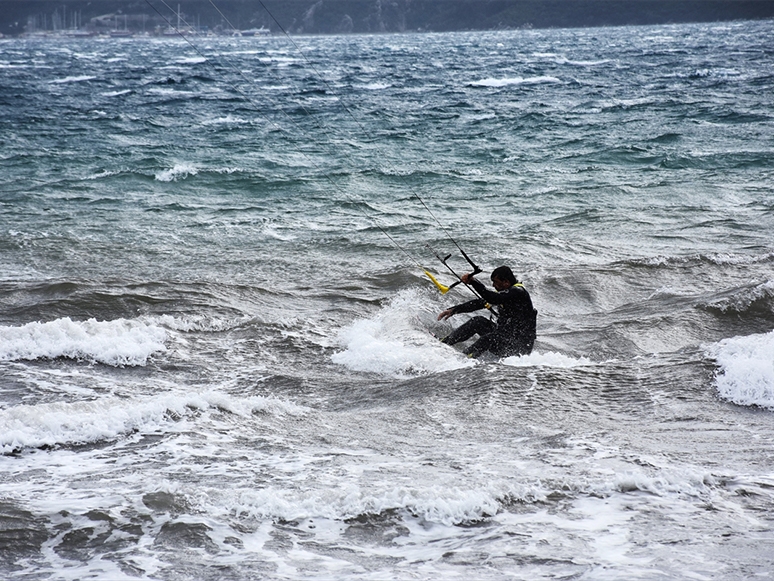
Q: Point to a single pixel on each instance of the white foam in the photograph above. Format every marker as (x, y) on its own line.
(446, 499)
(438, 503)
(490, 82)
(82, 422)
(190, 323)
(746, 375)
(394, 343)
(103, 174)
(78, 79)
(171, 93)
(179, 171)
(193, 60)
(549, 359)
(227, 120)
(120, 342)
(65, 423)
(116, 93)
(566, 61)
(375, 86)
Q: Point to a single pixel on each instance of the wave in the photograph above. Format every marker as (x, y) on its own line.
(436, 504)
(117, 93)
(119, 343)
(446, 503)
(717, 162)
(716, 259)
(746, 369)
(193, 60)
(85, 422)
(504, 82)
(179, 172)
(228, 119)
(200, 323)
(375, 86)
(75, 79)
(563, 60)
(751, 298)
(548, 359)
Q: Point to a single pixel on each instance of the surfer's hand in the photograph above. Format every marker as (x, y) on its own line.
(446, 314)
(467, 278)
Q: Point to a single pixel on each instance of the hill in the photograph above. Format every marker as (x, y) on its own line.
(362, 16)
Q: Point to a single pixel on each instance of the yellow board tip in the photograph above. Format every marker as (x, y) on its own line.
(443, 288)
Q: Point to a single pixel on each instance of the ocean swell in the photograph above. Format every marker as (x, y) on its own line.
(119, 343)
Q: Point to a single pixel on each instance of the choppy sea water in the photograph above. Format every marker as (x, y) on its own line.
(215, 348)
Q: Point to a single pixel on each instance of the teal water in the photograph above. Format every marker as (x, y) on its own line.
(214, 349)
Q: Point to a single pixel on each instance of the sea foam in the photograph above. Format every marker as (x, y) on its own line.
(548, 359)
(393, 342)
(75, 79)
(493, 82)
(119, 342)
(434, 503)
(746, 369)
(179, 172)
(65, 423)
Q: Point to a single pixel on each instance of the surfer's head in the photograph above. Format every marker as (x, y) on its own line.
(502, 277)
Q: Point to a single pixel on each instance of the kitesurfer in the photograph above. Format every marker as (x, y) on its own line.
(515, 329)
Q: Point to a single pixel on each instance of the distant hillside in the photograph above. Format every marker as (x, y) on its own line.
(364, 16)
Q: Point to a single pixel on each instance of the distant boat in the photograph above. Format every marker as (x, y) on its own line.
(255, 32)
(79, 33)
(178, 32)
(117, 33)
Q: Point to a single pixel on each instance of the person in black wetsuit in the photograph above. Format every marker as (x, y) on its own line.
(515, 329)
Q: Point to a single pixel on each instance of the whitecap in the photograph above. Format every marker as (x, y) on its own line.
(375, 86)
(491, 82)
(746, 369)
(193, 60)
(548, 359)
(103, 174)
(120, 342)
(442, 502)
(743, 298)
(68, 423)
(202, 323)
(77, 79)
(180, 171)
(227, 120)
(116, 93)
(566, 61)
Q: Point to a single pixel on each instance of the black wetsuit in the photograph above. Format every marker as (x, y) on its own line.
(514, 331)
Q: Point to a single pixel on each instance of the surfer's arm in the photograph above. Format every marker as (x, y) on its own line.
(468, 307)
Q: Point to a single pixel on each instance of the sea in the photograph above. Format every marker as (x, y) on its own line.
(218, 347)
